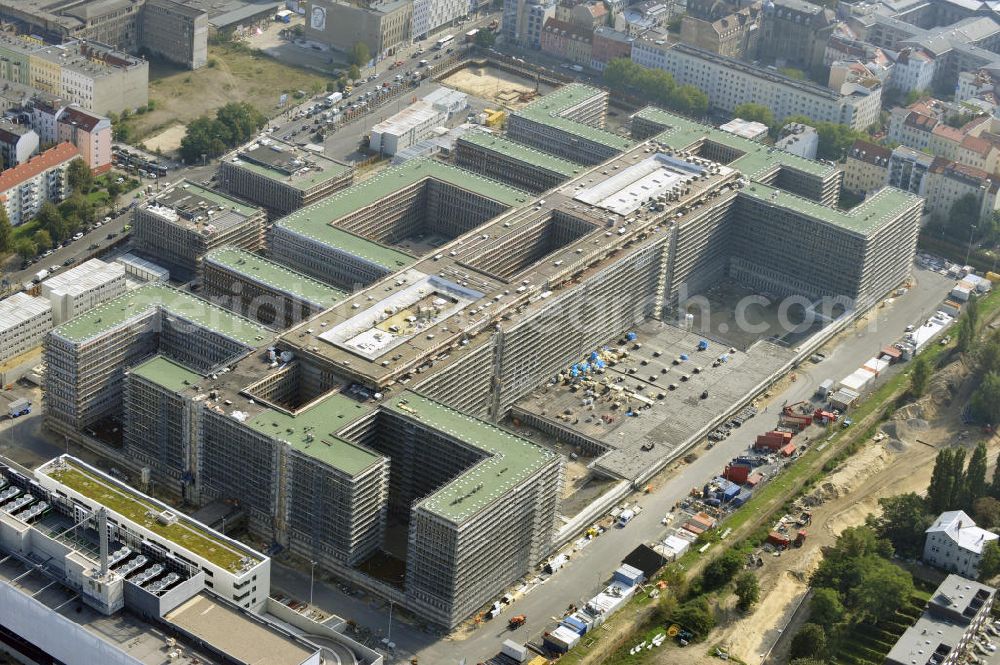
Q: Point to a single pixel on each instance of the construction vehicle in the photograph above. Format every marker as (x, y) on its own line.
(800, 538)
(805, 519)
(517, 621)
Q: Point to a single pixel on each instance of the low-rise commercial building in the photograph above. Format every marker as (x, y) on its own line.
(181, 224)
(24, 322)
(83, 288)
(24, 188)
(280, 176)
(954, 543)
(956, 612)
(411, 125)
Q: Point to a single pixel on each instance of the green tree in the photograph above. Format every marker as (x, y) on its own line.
(995, 485)
(962, 217)
(695, 615)
(360, 55)
(838, 568)
(747, 590)
(6, 232)
(485, 38)
(755, 113)
(242, 119)
(809, 642)
(825, 608)
(966, 334)
(986, 512)
(985, 404)
(720, 571)
(42, 239)
(903, 521)
(975, 477)
(988, 355)
(920, 376)
(989, 564)
(353, 73)
(25, 248)
(947, 481)
(882, 588)
(793, 73)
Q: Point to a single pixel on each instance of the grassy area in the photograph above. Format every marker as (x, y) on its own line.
(181, 532)
(868, 644)
(234, 72)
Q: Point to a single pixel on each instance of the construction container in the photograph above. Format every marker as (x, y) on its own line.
(561, 640)
(742, 498)
(628, 575)
(778, 539)
(574, 624)
(737, 473)
(707, 521)
(824, 388)
(788, 450)
(755, 479)
(514, 650)
(730, 493)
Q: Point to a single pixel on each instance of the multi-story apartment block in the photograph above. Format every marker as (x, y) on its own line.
(913, 70)
(181, 224)
(263, 290)
(609, 44)
(568, 41)
(432, 15)
(729, 83)
(733, 35)
(281, 177)
(511, 162)
(24, 188)
(524, 20)
(866, 167)
(954, 543)
(83, 288)
(24, 322)
(384, 26)
(18, 143)
(165, 28)
(590, 14)
(956, 614)
(90, 133)
(947, 182)
(795, 33)
(908, 169)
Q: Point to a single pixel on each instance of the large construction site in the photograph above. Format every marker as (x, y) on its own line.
(481, 336)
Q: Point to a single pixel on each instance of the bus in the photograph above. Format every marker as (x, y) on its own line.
(444, 41)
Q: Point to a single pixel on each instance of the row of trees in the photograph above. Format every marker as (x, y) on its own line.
(655, 86)
(834, 138)
(234, 123)
(856, 583)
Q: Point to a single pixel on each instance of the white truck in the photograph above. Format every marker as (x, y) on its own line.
(333, 99)
(514, 650)
(40, 275)
(18, 407)
(625, 516)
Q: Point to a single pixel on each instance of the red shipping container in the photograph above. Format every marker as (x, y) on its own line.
(737, 473)
(788, 450)
(754, 479)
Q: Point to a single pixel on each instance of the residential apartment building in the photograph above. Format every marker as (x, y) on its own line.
(263, 290)
(168, 29)
(180, 225)
(913, 70)
(588, 14)
(281, 177)
(729, 83)
(955, 544)
(735, 35)
(81, 289)
(24, 322)
(90, 133)
(957, 611)
(93, 75)
(950, 181)
(24, 188)
(866, 167)
(795, 33)
(432, 15)
(524, 20)
(568, 41)
(18, 143)
(609, 44)
(382, 26)
(908, 170)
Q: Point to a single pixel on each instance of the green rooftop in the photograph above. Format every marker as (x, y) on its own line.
(143, 511)
(276, 276)
(312, 432)
(758, 160)
(315, 221)
(165, 372)
(142, 300)
(873, 212)
(269, 163)
(522, 153)
(548, 110)
(510, 459)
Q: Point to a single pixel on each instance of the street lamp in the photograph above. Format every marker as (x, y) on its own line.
(968, 251)
(312, 569)
(389, 632)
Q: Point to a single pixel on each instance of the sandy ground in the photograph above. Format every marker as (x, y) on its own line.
(494, 85)
(844, 499)
(166, 141)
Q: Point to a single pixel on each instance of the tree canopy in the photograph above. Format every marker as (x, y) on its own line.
(360, 54)
(485, 38)
(233, 124)
(655, 86)
(903, 521)
(834, 138)
(695, 615)
(754, 113)
(747, 590)
(79, 177)
(809, 642)
(6, 232)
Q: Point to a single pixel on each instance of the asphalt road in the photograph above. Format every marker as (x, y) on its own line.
(589, 569)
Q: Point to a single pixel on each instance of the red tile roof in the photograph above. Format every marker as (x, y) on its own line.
(37, 164)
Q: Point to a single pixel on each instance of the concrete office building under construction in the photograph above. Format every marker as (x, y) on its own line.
(379, 414)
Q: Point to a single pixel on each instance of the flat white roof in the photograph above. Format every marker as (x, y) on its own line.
(19, 308)
(86, 276)
(415, 115)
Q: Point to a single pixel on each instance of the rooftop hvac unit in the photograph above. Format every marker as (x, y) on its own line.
(166, 518)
